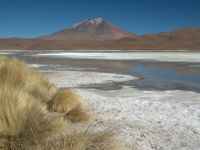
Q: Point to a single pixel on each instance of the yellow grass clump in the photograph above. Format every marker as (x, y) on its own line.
(36, 115)
(24, 121)
(68, 102)
(85, 140)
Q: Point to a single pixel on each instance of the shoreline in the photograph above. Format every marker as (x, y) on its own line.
(143, 119)
(106, 51)
(185, 70)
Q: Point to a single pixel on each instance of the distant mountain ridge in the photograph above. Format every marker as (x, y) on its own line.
(101, 34)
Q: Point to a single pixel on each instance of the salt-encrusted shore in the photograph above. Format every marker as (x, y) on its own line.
(156, 56)
(144, 120)
(77, 78)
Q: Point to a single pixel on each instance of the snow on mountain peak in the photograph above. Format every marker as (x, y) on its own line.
(77, 24)
(96, 21)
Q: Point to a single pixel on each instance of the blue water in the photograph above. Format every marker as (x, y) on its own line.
(165, 78)
(155, 75)
(164, 73)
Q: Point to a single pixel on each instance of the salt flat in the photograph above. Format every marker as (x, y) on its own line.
(144, 119)
(159, 56)
(76, 78)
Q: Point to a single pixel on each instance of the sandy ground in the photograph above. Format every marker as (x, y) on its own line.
(144, 120)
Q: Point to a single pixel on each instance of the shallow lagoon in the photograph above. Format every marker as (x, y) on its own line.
(168, 70)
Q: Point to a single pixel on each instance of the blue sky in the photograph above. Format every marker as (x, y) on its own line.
(32, 18)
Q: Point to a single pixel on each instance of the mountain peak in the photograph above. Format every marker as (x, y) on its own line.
(95, 21)
(97, 29)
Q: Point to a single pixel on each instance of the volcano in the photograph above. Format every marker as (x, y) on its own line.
(90, 29)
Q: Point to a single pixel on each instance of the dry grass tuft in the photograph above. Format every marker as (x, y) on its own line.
(68, 103)
(24, 121)
(32, 110)
(85, 140)
(17, 74)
